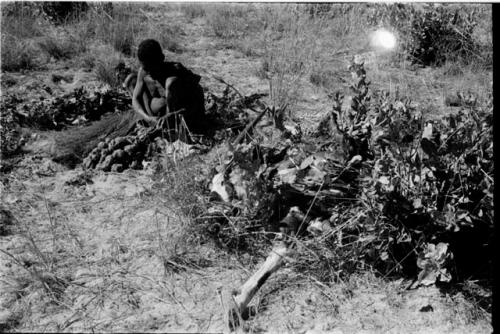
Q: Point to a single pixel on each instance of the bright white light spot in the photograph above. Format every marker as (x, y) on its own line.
(383, 39)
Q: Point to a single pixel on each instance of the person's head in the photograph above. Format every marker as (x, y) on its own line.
(150, 55)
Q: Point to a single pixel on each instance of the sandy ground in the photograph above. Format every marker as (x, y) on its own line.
(104, 252)
(123, 262)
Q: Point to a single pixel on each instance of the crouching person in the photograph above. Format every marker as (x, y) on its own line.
(166, 93)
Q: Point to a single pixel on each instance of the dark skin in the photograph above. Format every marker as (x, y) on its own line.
(153, 105)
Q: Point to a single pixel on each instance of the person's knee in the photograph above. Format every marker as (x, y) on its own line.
(158, 105)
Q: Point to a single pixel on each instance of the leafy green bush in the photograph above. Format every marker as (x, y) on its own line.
(427, 189)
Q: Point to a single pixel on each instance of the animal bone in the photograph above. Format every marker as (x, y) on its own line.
(242, 297)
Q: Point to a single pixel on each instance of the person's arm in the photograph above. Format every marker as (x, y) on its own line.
(137, 95)
(168, 94)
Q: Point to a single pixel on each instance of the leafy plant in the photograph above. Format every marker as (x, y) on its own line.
(10, 134)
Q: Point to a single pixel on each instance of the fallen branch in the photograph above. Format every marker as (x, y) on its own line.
(248, 128)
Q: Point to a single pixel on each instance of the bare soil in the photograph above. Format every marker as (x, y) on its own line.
(118, 258)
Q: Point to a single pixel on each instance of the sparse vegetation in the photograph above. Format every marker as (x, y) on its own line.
(105, 70)
(17, 55)
(228, 21)
(193, 10)
(58, 49)
(151, 248)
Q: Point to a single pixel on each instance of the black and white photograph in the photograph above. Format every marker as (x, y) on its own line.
(246, 167)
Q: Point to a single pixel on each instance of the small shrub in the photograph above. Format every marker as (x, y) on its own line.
(434, 34)
(442, 34)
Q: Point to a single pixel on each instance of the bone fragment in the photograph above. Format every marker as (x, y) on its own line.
(289, 225)
(245, 294)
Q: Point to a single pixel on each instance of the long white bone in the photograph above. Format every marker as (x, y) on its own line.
(274, 261)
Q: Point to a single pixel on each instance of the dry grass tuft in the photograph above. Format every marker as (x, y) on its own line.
(17, 55)
(56, 48)
(105, 70)
(230, 21)
(193, 10)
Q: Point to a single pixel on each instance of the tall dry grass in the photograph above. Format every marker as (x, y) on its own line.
(17, 55)
(19, 24)
(293, 41)
(193, 10)
(29, 39)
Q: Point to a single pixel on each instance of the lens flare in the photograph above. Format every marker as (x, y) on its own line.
(383, 39)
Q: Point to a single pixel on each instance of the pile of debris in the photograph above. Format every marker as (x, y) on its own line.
(400, 183)
(286, 186)
(10, 133)
(226, 118)
(77, 107)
